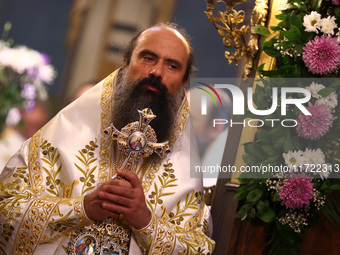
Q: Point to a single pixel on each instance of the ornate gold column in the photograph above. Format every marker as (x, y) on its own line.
(234, 34)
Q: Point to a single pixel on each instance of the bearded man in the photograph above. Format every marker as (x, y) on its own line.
(60, 190)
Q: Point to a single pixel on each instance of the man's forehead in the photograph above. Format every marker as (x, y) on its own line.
(155, 30)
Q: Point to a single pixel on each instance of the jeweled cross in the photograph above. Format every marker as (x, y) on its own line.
(137, 139)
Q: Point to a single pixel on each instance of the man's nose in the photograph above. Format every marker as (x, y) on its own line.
(157, 71)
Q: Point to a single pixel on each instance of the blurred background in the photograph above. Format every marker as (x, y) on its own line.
(83, 38)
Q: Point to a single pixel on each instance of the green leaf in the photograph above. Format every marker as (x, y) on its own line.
(254, 195)
(262, 134)
(272, 52)
(276, 197)
(251, 213)
(301, 6)
(262, 206)
(272, 160)
(337, 12)
(261, 30)
(268, 150)
(242, 213)
(275, 28)
(296, 21)
(288, 144)
(267, 216)
(281, 16)
(316, 4)
(240, 193)
(335, 187)
(249, 159)
(291, 36)
(325, 92)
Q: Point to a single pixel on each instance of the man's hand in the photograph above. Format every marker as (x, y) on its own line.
(117, 197)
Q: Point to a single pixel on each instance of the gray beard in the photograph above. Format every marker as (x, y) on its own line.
(130, 96)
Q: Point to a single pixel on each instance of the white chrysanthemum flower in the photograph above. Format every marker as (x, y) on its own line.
(46, 73)
(312, 22)
(314, 89)
(20, 59)
(328, 25)
(314, 156)
(293, 158)
(325, 171)
(315, 163)
(331, 100)
(338, 36)
(13, 117)
(41, 91)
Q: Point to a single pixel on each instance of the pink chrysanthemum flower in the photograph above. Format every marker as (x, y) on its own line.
(322, 55)
(336, 2)
(296, 192)
(315, 126)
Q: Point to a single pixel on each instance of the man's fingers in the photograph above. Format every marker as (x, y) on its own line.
(130, 176)
(118, 182)
(112, 191)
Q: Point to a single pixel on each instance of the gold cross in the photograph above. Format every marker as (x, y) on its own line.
(137, 140)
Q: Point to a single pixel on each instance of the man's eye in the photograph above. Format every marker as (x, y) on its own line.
(172, 66)
(148, 58)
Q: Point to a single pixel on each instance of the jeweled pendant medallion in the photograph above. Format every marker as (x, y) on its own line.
(107, 237)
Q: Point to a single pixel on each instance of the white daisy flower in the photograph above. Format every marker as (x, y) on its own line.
(314, 88)
(331, 100)
(328, 25)
(293, 158)
(312, 22)
(315, 156)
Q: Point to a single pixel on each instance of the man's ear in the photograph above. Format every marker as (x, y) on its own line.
(185, 83)
(124, 62)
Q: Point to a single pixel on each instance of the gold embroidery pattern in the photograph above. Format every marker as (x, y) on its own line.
(165, 240)
(192, 202)
(167, 180)
(146, 232)
(34, 164)
(106, 145)
(51, 157)
(149, 168)
(79, 209)
(33, 225)
(68, 226)
(13, 193)
(68, 188)
(87, 158)
(183, 226)
(62, 224)
(166, 237)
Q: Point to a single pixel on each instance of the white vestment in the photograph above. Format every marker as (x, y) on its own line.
(10, 143)
(44, 184)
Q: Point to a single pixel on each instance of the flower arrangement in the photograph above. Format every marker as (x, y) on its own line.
(305, 45)
(24, 73)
